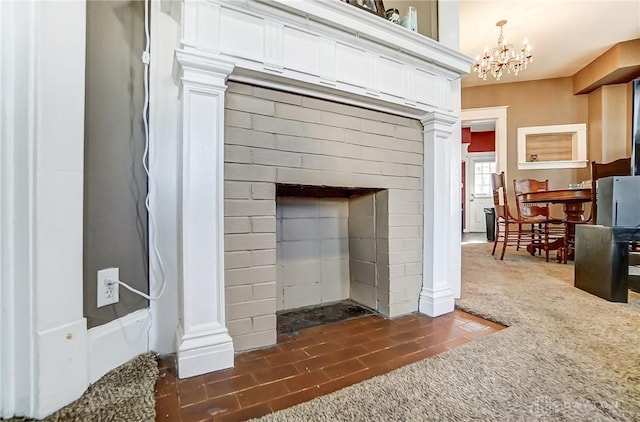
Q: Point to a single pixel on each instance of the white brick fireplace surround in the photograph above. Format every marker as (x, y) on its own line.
(308, 93)
(275, 139)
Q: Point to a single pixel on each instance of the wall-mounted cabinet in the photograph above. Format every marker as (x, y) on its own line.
(547, 147)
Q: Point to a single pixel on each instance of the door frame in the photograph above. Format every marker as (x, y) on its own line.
(470, 158)
(498, 115)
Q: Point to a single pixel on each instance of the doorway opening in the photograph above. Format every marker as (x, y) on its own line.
(477, 166)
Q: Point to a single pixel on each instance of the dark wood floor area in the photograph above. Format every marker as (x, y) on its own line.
(317, 361)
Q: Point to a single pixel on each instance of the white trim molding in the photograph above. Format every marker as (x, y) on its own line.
(497, 114)
(465, 151)
(327, 49)
(17, 367)
(171, 8)
(44, 334)
(116, 342)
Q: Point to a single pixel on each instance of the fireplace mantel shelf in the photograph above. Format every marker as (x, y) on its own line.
(327, 49)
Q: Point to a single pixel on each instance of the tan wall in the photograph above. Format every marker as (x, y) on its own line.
(533, 103)
(615, 120)
(594, 129)
(609, 123)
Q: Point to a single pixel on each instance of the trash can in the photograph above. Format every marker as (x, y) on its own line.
(490, 218)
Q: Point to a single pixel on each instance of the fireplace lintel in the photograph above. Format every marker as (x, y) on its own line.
(315, 191)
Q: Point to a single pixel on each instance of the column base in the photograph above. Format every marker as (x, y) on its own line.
(201, 353)
(436, 303)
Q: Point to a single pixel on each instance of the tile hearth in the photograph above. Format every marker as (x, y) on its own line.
(317, 361)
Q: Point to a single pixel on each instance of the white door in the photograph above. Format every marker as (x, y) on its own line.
(479, 195)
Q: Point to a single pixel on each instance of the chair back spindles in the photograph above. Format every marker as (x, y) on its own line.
(504, 232)
(530, 210)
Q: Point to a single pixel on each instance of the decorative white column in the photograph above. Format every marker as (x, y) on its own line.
(437, 296)
(203, 343)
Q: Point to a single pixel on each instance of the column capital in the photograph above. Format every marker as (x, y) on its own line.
(196, 67)
(439, 122)
(440, 117)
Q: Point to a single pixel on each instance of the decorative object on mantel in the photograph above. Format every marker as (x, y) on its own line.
(373, 6)
(393, 15)
(410, 20)
(503, 57)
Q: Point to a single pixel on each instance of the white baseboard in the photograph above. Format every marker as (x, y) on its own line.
(116, 342)
(62, 367)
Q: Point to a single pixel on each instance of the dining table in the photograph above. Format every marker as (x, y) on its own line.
(573, 205)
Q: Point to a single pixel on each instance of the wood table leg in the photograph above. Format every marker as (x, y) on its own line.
(574, 212)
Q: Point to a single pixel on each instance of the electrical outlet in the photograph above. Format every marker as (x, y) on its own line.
(108, 292)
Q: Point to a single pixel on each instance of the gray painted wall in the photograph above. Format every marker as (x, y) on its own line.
(115, 185)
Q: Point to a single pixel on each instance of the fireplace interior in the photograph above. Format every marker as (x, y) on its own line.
(327, 243)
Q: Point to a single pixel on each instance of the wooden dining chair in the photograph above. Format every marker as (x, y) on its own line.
(540, 226)
(506, 231)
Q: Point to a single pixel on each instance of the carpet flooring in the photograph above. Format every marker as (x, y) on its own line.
(567, 355)
(125, 394)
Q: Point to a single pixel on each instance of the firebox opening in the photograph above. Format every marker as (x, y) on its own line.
(293, 320)
(331, 245)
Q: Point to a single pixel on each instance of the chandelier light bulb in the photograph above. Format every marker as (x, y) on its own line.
(503, 57)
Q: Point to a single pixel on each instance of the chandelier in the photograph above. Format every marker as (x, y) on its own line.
(502, 57)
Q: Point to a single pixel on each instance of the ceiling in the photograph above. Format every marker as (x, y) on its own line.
(565, 35)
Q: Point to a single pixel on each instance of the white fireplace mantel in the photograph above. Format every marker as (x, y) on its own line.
(326, 49)
(320, 47)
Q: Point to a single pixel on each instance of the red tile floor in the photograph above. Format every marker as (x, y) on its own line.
(317, 361)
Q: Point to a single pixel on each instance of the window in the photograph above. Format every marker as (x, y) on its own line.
(482, 177)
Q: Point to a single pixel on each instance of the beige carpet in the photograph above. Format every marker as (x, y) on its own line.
(567, 355)
(125, 394)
